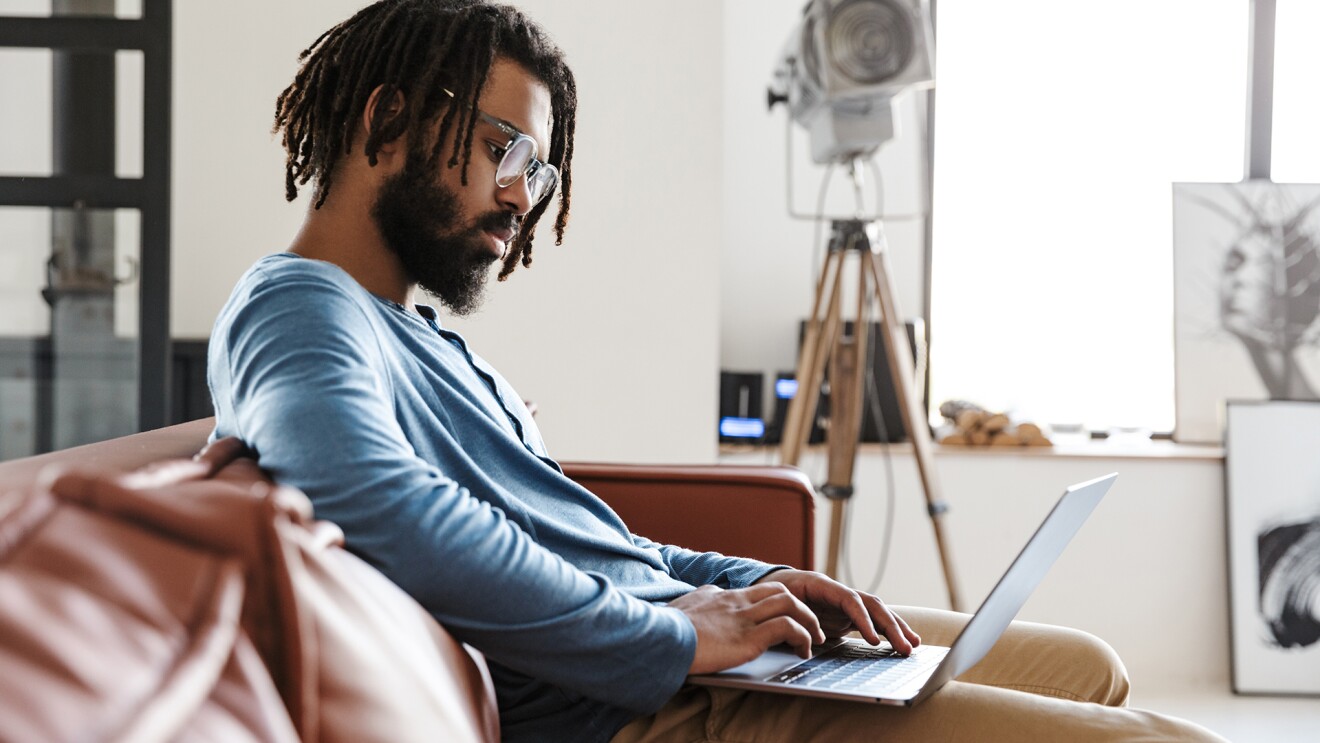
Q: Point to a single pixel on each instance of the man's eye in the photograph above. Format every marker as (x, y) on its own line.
(496, 151)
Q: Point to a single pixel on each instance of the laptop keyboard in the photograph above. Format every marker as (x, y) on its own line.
(861, 668)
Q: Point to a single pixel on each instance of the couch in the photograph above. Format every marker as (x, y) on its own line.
(150, 594)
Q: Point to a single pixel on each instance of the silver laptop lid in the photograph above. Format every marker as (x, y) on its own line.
(1015, 587)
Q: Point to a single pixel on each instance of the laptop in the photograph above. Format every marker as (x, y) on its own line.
(850, 669)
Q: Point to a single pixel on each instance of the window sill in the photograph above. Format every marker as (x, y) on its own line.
(1095, 448)
(1067, 447)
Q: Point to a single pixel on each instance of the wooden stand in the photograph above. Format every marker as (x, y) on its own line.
(825, 339)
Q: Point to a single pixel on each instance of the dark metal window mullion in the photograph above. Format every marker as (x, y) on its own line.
(92, 191)
(154, 357)
(73, 33)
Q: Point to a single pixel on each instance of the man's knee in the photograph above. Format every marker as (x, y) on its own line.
(1106, 678)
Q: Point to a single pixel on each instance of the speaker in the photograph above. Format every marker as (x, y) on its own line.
(740, 407)
(890, 415)
(881, 393)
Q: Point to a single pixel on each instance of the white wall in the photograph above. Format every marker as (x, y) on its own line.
(614, 333)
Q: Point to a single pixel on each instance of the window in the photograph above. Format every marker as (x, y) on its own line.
(84, 222)
(1059, 130)
(1296, 149)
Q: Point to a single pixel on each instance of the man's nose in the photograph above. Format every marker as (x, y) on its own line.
(516, 197)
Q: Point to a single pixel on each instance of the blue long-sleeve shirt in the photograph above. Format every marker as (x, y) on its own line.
(432, 466)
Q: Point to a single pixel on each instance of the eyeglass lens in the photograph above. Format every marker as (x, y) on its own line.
(515, 164)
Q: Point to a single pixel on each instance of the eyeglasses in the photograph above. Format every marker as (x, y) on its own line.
(517, 159)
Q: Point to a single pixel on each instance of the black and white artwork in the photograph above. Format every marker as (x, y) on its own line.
(1273, 491)
(1246, 298)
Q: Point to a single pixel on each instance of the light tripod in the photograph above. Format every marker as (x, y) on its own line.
(826, 341)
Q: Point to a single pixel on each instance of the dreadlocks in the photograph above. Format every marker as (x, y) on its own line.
(419, 48)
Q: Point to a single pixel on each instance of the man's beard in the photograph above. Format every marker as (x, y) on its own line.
(419, 221)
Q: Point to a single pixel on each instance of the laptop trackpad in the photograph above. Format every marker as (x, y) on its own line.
(772, 662)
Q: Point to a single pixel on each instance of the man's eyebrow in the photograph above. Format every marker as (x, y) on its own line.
(506, 124)
(495, 119)
(511, 128)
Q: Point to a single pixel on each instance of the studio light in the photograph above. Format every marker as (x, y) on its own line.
(842, 66)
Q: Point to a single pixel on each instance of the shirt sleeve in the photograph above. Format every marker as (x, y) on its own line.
(304, 380)
(709, 568)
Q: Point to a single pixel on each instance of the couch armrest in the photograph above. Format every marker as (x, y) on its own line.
(763, 512)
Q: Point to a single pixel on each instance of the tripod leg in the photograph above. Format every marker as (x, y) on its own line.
(901, 371)
(811, 361)
(846, 395)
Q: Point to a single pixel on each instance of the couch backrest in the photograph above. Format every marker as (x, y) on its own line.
(123, 454)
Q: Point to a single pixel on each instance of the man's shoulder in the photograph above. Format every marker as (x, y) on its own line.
(285, 269)
(288, 279)
(287, 290)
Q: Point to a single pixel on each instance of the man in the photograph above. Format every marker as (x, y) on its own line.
(436, 133)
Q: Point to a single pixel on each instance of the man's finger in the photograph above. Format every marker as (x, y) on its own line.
(911, 634)
(861, 619)
(787, 605)
(902, 626)
(894, 629)
(783, 630)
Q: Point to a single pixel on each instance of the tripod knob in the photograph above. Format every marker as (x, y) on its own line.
(837, 492)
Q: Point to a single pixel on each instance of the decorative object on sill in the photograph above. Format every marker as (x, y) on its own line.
(1273, 494)
(972, 425)
(1246, 298)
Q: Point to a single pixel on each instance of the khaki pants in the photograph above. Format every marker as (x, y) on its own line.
(1039, 683)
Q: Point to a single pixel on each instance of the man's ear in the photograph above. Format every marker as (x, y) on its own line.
(395, 148)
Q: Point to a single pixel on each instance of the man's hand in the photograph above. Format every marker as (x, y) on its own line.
(735, 626)
(841, 610)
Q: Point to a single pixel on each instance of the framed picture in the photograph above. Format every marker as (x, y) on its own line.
(1246, 267)
(1273, 517)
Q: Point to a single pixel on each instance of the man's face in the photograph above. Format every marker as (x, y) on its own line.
(1248, 301)
(447, 235)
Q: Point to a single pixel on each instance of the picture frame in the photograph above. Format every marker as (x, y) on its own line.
(1272, 497)
(1246, 268)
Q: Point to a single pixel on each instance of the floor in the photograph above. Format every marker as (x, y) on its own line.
(1242, 719)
